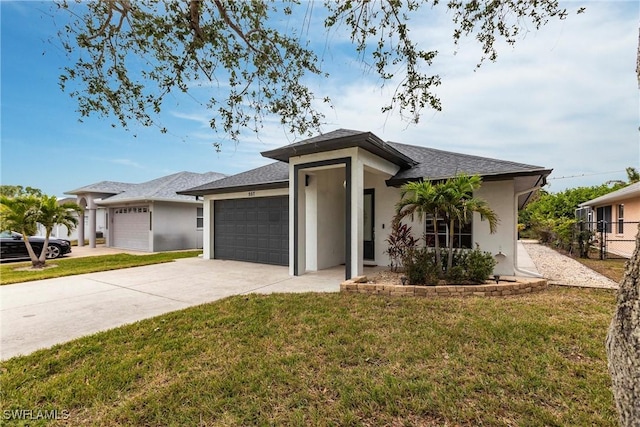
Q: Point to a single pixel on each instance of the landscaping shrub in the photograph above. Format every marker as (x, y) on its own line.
(400, 241)
(469, 266)
(456, 274)
(478, 265)
(420, 267)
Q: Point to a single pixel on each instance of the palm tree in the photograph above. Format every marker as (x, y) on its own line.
(451, 200)
(20, 214)
(421, 198)
(459, 205)
(24, 212)
(52, 213)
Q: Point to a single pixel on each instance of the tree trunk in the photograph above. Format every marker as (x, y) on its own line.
(451, 236)
(42, 260)
(437, 246)
(35, 263)
(623, 343)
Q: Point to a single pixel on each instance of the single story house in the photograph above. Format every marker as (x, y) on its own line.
(62, 232)
(620, 210)
(148, 217)
(329, 200)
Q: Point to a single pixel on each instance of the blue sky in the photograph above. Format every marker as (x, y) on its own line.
(565, 98)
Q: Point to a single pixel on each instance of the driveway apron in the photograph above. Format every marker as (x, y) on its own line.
(42, 313)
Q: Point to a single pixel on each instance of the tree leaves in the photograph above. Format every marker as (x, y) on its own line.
(129, 57)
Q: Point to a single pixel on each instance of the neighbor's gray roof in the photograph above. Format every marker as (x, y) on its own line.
(164, 188)
(273, 175)
(433, 165)
(631, 190)
(105, 187)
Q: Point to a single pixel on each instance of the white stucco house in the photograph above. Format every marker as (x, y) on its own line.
(329, 201)
(62, 232)
(148, 217)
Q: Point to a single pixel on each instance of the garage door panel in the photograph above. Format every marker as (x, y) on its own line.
(131, 227)
(255, 230)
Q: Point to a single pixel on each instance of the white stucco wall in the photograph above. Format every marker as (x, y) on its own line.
(501, 198)
(330, 246)
(174, 226)
(385, 209)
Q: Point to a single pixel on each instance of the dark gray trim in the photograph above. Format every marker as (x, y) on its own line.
(371, 191)
(537, 184)
(240, 188)
(347, 162)
(397, 182)
(366, 140)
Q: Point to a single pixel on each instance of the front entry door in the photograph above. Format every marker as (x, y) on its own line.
(369, 224)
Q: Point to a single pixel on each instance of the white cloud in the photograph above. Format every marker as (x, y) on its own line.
(127, 162)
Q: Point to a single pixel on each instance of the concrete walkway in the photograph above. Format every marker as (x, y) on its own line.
(525, 263)
(42, 313)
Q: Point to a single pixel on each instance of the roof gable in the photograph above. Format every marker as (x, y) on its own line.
(339, 139)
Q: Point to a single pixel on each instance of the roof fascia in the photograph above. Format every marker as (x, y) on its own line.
(366, 141)
(238, 188)
(397, 182)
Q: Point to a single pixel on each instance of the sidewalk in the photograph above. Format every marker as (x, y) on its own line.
(525, 263)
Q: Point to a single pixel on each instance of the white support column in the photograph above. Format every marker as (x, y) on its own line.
(81, 228)
(357, 217)
(92, 227)
(302, 224)
(207, 229)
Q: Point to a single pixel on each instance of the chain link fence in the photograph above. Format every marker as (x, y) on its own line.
(609, 239)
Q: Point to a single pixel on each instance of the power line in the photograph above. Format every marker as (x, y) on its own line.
(585, 174)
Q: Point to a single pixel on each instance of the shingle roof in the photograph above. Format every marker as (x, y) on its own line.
(415, 162)
(339, 139)
(273, 175)
(164, 188)
(106, 187)
(631, 190)
(433, 164)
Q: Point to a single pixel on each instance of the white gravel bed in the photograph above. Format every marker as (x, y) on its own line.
(559, 269)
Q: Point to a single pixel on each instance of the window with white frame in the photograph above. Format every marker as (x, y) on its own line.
(462, 236)
(200, 218)
(620, 218)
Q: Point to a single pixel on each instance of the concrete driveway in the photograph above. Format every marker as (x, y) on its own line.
(42, 313)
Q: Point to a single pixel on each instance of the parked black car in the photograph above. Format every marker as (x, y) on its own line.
(12, 246)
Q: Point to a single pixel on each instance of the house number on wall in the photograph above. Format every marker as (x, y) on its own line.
(252, 193)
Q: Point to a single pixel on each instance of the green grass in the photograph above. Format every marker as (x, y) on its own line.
(335, 359)
(16, 272)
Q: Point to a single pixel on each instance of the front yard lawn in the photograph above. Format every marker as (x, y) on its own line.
(19, 272)
(334, 359)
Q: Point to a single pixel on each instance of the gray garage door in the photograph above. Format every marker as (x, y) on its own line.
(254, 230)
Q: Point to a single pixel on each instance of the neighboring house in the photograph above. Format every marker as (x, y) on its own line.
(148, 217)
(330, 200)
(60, 231)
(620, 210)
